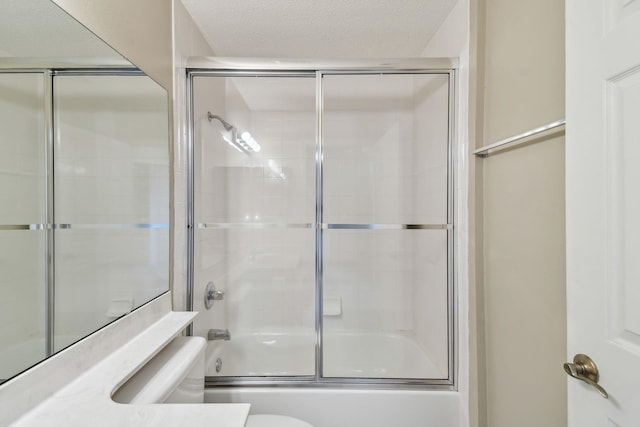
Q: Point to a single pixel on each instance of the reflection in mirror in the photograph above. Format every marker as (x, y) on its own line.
(22, 201)
(111, 187)
(84, 184)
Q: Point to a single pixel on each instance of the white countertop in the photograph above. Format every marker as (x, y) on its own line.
(86, 401)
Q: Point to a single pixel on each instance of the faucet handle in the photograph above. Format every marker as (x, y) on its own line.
(211, 294)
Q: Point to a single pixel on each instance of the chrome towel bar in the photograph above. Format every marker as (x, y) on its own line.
(484, 151)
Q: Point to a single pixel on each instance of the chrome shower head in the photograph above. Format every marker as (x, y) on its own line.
(244, 142)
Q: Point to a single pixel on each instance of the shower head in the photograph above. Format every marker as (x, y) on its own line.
(244, 143)
(227, 126)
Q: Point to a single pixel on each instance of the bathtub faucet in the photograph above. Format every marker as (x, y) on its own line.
(218, 334)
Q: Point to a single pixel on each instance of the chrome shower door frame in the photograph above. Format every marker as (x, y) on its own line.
(230, 67)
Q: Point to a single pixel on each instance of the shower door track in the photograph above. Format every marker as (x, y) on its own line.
(260, 67)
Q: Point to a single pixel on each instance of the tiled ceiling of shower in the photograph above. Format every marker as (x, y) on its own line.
(319, 28)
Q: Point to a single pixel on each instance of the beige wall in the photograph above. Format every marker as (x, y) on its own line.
(140, 30)
(521, 210)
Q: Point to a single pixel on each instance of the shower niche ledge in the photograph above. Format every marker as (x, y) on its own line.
(87, 400)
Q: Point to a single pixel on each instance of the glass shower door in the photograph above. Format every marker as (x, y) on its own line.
(323, 246)
(386, 264)
(254, 215)
(23, 215)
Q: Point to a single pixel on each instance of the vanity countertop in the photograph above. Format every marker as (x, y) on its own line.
(86, 401)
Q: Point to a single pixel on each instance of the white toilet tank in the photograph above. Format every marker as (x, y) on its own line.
(174, 375)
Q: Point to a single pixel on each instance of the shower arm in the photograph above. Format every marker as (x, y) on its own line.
(227, 126)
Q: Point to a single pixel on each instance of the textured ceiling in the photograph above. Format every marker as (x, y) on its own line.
(319, 28)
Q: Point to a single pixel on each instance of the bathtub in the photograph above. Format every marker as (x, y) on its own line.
(339, 407)
(356, 355)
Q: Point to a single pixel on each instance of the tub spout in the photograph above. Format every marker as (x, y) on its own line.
(218, 334)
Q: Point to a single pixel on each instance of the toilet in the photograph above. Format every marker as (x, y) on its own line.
(176, 375)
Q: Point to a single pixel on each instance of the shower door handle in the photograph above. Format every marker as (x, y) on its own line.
(584, 369)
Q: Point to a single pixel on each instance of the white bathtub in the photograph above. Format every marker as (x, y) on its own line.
(348, 408)
(346, 354)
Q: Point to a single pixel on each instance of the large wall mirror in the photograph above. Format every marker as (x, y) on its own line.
(84, 184)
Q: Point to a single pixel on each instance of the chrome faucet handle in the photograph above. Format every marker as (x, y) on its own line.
(211, 294)
(215, 295)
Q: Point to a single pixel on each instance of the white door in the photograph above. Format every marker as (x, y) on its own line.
(603, 207)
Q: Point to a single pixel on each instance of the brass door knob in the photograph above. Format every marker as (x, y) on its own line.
(585, 369)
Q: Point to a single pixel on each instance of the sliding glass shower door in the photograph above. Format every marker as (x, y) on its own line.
(386, 216)
(323, 243)
(254, 188)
